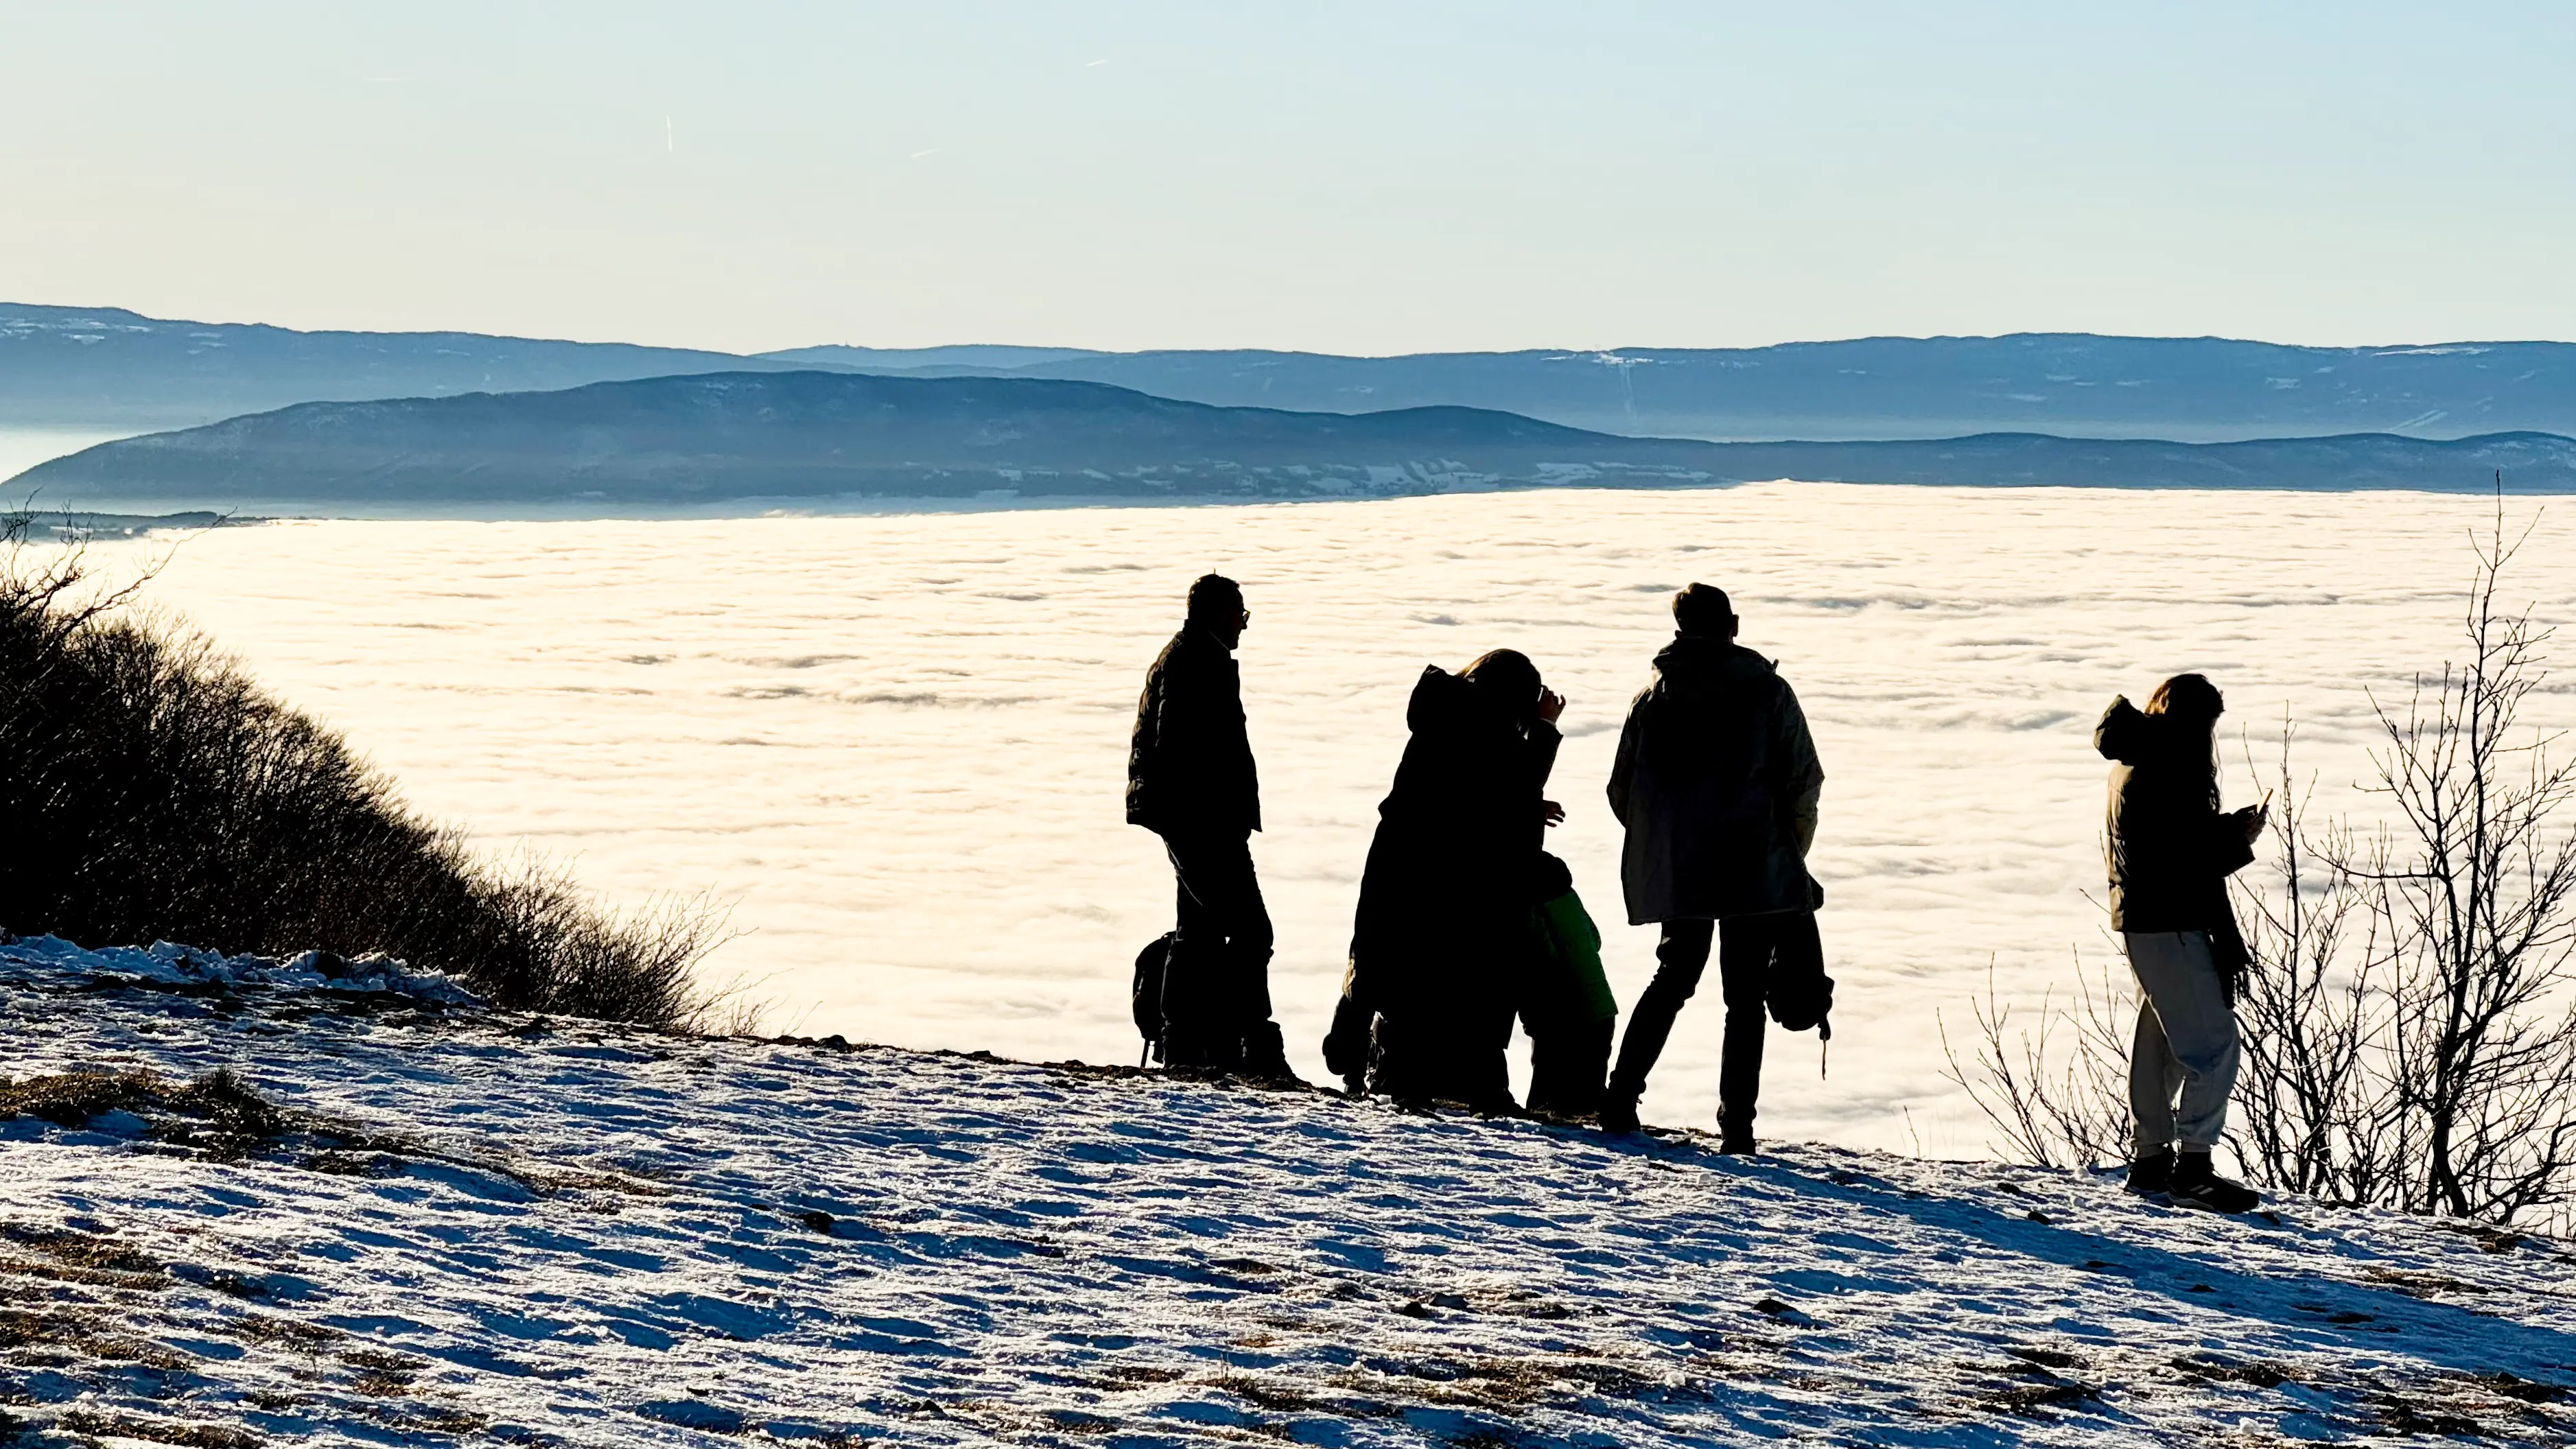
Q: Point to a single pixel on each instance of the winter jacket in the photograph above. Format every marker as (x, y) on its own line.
(1568, 984)
(1190, 768)
(1716, 781)
(2169, 850)
(1444, 910)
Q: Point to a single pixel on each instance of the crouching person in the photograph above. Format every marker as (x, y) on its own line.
(1566, 1010)
(1190, 780)
(2170, 854)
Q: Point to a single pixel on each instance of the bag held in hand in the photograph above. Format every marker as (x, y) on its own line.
(1801, 995)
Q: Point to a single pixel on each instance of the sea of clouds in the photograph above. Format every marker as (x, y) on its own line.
(897, 743)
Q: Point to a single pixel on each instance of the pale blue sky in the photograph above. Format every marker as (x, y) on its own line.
(1374, 177)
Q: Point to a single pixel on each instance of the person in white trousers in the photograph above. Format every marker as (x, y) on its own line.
(2170, 853)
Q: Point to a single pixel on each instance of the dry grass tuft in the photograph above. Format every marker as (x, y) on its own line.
(216, 1113)
(1279, 1398)
(76, 1257)
(70, 1099)
(261, 1328)
(384, 1375)
(79, 1334)
(158, 1431)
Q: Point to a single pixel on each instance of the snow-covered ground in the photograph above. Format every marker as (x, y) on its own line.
(898, 742)
(476, 1228)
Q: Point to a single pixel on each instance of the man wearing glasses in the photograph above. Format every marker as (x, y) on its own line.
(1190, 780)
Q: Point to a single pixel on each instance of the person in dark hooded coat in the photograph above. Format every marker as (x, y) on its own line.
(1444, 929)
(1717, 783)
(2169, 852)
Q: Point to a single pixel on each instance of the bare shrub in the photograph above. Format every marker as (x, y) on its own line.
(2056, 1091)
(544, 947)
(153, 791)
(2476, 906)
(2315, 1089)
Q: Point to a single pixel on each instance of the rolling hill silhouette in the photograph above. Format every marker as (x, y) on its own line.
(105, 368)
(731, 436)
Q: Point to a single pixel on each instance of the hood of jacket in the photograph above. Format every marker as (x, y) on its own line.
(1699, 661)
(2129, 735)
(1445, 701)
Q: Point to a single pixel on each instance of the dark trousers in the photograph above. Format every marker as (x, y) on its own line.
(1458, 1055)
(1745, 950)
(1567, 1062)
(1216, 987)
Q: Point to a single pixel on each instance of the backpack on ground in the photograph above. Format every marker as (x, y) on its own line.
(1145, 994)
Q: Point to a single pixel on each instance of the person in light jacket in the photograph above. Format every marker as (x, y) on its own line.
(1717, 783)
(2170, 854)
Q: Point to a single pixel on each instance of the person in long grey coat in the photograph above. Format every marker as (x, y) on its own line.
(1717, 783)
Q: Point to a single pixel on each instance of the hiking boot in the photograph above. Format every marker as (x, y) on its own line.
(1736, 1144)
(1265, 1056)
(1618, 1115)
(1198, 1051)
(2151, 1174)
(2197, 1185)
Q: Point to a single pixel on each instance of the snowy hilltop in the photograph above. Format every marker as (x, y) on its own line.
(335, 1202)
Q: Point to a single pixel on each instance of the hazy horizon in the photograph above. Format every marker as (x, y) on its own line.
(1632, 345)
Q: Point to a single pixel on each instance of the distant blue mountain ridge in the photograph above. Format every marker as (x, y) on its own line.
(2194, 389)
(106, 368)
(813, 438)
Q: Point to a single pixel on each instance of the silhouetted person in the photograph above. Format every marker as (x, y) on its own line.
(1565, 1005)
(1444, 932)
(1717, 783)
(2170, 854)
(1190, 780)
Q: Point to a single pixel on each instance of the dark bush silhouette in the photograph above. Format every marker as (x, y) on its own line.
(150, 790)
